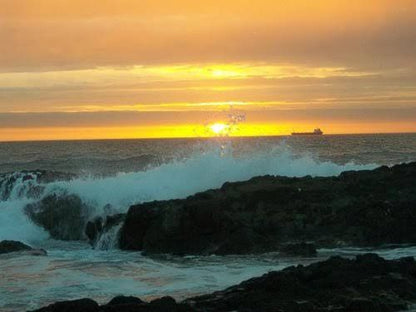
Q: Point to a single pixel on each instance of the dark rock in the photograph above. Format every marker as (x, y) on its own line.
(7, 246)
(63, 216)
(168, 304)
(37, 252)
(367, 284)
(164, 302)
(93, 229)
(81, 305)
(124, 300)
(119, 304)
(364, 208)
(96, 228)
(299, 249)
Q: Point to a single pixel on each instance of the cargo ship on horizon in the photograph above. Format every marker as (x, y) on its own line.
(316, 131)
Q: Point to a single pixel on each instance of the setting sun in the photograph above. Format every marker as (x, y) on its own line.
(219, 128)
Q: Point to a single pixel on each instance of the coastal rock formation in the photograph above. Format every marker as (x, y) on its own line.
(7, 246)
(368, 283)
(101, 232)
(119, 304)
(63, 216)
(362, 208)
(84, 305)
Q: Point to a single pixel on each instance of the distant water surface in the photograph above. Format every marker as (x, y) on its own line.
(113, 156)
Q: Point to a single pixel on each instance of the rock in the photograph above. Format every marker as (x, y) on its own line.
(7, 246)
(37, 252)
(124, 300)
(97, 228)
(362, 208)
(367, 284)
(81, 305)
(63, 216)
(299, 249)
(93, 229)
(168, 304)
(164, 301)
(119, 304)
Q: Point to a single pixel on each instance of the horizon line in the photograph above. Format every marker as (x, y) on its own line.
(201, 137)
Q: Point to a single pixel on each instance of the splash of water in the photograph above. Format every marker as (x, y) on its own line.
(177, 179)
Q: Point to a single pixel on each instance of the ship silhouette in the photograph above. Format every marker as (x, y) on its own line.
(316, 131)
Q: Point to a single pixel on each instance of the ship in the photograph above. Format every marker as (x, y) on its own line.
(317, 131)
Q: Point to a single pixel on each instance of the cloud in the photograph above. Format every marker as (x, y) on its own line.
(76, 64)
(349, 33)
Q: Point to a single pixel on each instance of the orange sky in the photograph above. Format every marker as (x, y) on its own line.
(109, 69)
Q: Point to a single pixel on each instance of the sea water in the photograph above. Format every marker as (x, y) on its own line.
(119, 173)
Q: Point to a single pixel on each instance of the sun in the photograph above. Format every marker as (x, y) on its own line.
(219, 128)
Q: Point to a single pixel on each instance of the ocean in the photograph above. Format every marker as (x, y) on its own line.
(111, 175)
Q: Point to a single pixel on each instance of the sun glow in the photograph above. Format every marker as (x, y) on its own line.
(219, 128)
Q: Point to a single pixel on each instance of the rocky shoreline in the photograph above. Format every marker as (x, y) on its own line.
(367, 283)
(359, 208)
(294, 216)
(270, 213)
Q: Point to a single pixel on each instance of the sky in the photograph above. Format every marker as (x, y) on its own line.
(158, 68)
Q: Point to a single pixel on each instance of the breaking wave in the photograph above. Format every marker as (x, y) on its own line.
(176, 179)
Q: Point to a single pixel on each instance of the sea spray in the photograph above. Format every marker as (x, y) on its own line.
(204, 169)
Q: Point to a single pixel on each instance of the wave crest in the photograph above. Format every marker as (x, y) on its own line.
(177, 179)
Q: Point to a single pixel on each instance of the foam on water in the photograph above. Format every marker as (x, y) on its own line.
(177, 179)
(75, 271)
(15, 225)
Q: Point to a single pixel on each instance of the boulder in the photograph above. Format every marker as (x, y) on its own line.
(133, 304)
(99, 227)
(81, 305)
(362, 208)
(124, 300)
(63, 216)
(7, 246)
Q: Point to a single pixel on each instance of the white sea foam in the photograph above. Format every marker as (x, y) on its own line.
(177, 179)
(15, 225)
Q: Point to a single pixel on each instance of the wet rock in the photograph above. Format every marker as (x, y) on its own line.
(37, 252)
(81, 305)
(366, 284)
(119, 304)
(364, 208)
(101, 226)
(124, 300)
(168, 304)
(63, 216)
(7, 246)
(93, 229)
